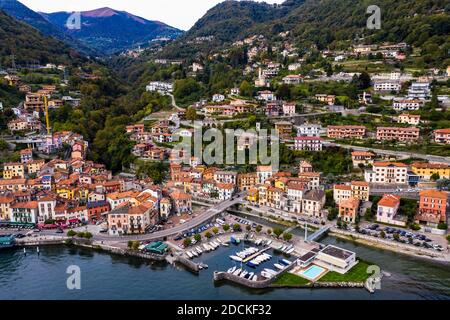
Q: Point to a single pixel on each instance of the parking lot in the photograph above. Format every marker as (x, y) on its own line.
(400, 235)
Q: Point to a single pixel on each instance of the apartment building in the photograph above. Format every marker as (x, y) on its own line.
(308, 143)
(346, 132)
(387, 173)
(442, 136)
(398, 134)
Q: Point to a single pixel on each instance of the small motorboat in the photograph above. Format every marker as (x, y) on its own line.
(189, 254)
(279, 266)
(236, 258)
(231, 270)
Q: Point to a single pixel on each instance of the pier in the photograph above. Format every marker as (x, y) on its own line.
(255, 255)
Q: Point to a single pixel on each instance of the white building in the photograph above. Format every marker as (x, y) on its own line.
(387, 86)
(235, 91)
(406, 104)
(225, 191)
(288, 108)
(267, 95)
(308, 143)
(309, 130)
(336, 259)
(218, 98)
(387, 173)
(294, 66)
(419, 90)
(263, 173)
(161, 87)
(225, 177)
(387, 210)
(411, 119)
(292, 79)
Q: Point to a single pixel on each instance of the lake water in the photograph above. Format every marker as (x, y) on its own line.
(105, 276)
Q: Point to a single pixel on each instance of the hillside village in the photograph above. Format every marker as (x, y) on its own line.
(53, 181)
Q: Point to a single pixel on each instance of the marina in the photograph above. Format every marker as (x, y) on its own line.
(409, 278)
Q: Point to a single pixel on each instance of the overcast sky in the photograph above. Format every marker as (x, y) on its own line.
(177, 13)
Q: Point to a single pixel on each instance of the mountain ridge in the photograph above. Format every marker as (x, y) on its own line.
(109, 30)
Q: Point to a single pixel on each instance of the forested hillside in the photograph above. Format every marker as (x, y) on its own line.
(28, 45)
(324, 23)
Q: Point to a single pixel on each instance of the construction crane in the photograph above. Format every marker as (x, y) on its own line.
(47, 118)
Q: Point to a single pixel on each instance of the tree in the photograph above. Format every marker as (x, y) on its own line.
(198, 237)
(442, 226)
(269, 231)
(258, 228)
(191, 114)
(215, 230)
(237, 227)
(287, 236)
(88, 235)
(130, 244)
(226, 227)
(396, 236)
(71, 233)
(246, 89)
(435, 176)
(135, 245)
(383, 234)
(364, 80)
(284, 92)
(187, 242)
(248, 228)
(208, 234)
(187, 91)
(277, 232)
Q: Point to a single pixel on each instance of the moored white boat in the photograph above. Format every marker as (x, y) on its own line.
(279, 266)
(231, 270)
(236, 258)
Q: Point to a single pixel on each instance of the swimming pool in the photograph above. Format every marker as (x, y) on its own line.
(313, 272)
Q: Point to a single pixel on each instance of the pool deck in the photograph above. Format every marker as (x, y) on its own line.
(299, 271)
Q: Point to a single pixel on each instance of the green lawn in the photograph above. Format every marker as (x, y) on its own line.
(289, 279)
(357, 274)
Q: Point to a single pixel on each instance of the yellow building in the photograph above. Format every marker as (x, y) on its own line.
(360, 190)
(426, 170)
(35, 166)
(252, 195)
(65, 192)
(13, 170)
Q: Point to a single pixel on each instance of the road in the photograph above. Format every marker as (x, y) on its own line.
(174, 103)
(403, 154)
(196, 221)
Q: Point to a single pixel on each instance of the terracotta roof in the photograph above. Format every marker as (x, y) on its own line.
(423, 165)
(26, 205)
(179, 195)
(349, 203)
(360, 183)
(443, 131)
(362, 154)
(433, 194)
(389, 200)
(343, 187)
(389, 164)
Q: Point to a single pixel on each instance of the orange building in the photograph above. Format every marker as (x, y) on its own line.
(432, 207)
(348, 209)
